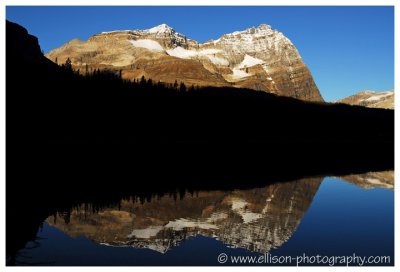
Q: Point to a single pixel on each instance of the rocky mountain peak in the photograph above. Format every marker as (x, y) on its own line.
(264, 26)
(249, 34)
(163, 32)
(163, 28)
(258, 58)
(262, 29)
(160, 30)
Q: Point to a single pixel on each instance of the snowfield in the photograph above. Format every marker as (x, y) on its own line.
(379, 96)
(249, 61)
(218, 60)
(159, 29)
(148, 44)
(238, 74)
(183, 53)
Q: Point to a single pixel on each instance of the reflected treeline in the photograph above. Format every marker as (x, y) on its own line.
(44, 182)
(257, 219)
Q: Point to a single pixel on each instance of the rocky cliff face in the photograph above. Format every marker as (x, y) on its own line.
(257, 220)
(258, 58)
(371, 99)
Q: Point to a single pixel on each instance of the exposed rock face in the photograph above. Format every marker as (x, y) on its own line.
(257, 220)
(259, 58)
(371, 99)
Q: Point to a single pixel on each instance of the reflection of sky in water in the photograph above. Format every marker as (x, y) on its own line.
(345, 219)
(342, 219)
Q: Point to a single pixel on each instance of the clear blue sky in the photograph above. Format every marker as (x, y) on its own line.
(348, 49)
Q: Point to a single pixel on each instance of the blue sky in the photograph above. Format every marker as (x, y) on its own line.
(347, 49)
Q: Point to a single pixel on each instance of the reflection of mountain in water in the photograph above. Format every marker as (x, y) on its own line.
(382, 179)
(257, 219)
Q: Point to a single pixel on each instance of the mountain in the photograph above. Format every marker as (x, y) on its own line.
(258, 58)
(257, 219)
(371, 99)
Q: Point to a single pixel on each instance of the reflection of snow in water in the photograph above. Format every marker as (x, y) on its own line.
(374, 181)
(239, 206)
(180, 224)
(145, 233)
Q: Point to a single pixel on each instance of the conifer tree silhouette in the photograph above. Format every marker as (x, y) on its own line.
(68, 64)
(182, 87)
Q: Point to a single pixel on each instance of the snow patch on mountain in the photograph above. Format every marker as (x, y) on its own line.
(160, 29)
(238, 74)
(255, 39)
(249, 61)
(379, 96)
(371, 99)
(218, 60)
(210, 51)
(148, 44)
(259, 30)
(182, 53)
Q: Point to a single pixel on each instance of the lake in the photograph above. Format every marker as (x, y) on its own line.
(286, 222)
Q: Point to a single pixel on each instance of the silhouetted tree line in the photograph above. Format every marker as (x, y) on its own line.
(100, 106)
(51, 103)
(98, 74)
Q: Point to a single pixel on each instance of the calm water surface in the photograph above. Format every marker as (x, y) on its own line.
(326, 216)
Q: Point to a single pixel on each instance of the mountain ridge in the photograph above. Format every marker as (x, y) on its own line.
(258, 58)
(370, 99)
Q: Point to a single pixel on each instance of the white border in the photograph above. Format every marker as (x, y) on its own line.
(184, 3)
